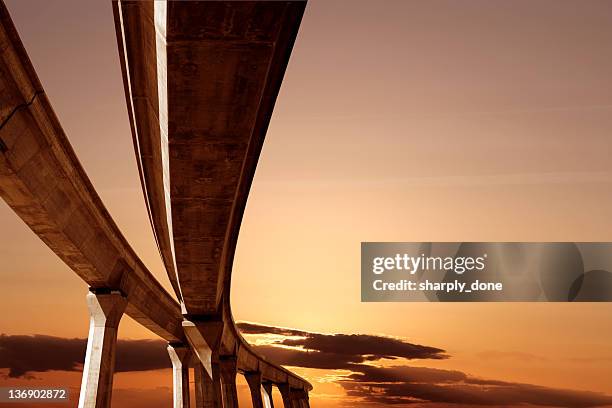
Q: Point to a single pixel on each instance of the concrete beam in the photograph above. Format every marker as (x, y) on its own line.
(199, 123)
(138, 22)
(105, 311)
(42, 180)
(180, 355)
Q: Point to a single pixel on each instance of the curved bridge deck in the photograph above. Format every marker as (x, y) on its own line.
(201, 79)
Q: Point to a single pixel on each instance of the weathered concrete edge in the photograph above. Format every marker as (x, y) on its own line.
(42, 139)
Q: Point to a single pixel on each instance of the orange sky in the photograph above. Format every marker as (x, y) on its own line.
(397, 121)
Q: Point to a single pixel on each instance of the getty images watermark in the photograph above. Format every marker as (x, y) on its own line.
(484, 271)
(412, 265)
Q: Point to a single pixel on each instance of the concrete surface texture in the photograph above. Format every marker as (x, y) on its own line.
(201, 79)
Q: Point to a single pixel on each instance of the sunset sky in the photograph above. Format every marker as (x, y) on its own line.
(439, 120)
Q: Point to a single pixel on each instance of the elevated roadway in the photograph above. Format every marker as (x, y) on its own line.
(201, 79)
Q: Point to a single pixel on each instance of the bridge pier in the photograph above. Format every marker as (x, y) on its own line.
(205, 339)
(285, 393)
(255, 386)
(267, 395)
(293, 397)
(105, 310)
(204, 336)
(180, 355)
(229, 370)
(207, 389)
(300, 398)
(48, 188)
(199, 384)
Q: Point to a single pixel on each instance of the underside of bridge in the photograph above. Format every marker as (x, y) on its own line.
(201, 79)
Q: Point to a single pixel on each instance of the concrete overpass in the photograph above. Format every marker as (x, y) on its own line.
(201, 79)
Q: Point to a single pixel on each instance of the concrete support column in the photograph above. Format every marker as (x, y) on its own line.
(180, 355)
(228, 382)
(300, 398)
(204, 336)
(285, 392)
(296, 398)
(267, 394)
(304, 403)
(293, 397)
(199, 383)
(207, 390)
(105, 311)
(254, 381)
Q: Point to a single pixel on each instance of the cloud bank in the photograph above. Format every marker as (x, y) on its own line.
(373, 370)
(369, 382)
(24, 355)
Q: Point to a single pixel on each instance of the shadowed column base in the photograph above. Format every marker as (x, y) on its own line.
(207, 389)
(228, 371)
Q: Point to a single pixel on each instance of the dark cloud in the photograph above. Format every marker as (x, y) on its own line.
(467, 393)
(405, 385)
(369, 384)
(254, 328)
(364, 382)
(308, 359)
(347, 348)
(395, 374)
(38, 353)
